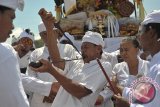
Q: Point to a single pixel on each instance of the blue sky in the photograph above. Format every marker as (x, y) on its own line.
(29, 18)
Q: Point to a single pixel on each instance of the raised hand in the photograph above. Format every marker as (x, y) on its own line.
(120, 102)
(47, 18)
(118, 88)
(21, 50)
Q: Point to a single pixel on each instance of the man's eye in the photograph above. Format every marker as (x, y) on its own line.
(140, 32)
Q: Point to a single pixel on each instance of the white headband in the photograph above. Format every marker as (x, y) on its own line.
(13, 4)
(93, 37)
(25, 34)
(153, 17)
(41, 27)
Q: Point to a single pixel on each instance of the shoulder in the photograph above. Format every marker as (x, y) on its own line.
(38, 51)
(143, 62)
(109, 56)
(6, 51)
(6, 48)
(68, 46)
(120, 65)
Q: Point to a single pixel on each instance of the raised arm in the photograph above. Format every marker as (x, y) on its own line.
(52, 36)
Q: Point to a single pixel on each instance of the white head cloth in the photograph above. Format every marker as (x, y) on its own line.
(14, 39)
(93, 37)
(41, 27)
(69, 36)
(25, 34)
(153, 17)
(13, 4)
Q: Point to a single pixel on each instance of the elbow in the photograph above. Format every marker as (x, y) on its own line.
(55, 87)
(60, 65)
(79, 96)
(83, 94)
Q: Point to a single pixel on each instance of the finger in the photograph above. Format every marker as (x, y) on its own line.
(21, 46)
(34, 69)
(43, 61)
(44, 99)
(53, 19)
(118, 96)
(42, 11)
(49, 17)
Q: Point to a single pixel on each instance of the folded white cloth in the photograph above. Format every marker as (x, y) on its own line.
(153, 17)
(93, 37)
(25, 34)
(13, 4)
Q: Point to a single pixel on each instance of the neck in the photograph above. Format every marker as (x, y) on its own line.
(133, 67)
(88, 60)
(133, 62)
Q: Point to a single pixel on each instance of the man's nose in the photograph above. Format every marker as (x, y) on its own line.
(12, 26)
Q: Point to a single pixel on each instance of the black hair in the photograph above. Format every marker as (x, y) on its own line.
(133, 40)
(155, 26)
(3, 9)
(65, 42)
(29, 32)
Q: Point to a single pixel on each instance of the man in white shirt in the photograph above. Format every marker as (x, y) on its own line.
(66, 50)
(23, 48)
(84, 79)
(11, 90)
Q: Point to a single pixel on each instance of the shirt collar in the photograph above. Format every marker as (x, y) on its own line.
(46, 49)
(155, 59)
(91, 63)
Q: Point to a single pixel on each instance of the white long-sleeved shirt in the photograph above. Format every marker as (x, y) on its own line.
(106, 93)
(11, 90)
(35, 85)
(90, 76)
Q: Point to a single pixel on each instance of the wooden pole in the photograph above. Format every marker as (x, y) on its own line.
(135, 12)
(106, 76)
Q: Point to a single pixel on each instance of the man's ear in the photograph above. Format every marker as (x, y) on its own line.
(99, 47)
(0, 15)
(152, 33)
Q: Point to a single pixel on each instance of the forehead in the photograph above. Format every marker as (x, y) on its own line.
(43, 33)
(25, 39)
(9, 13)
(126, 44)
(87, 44)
